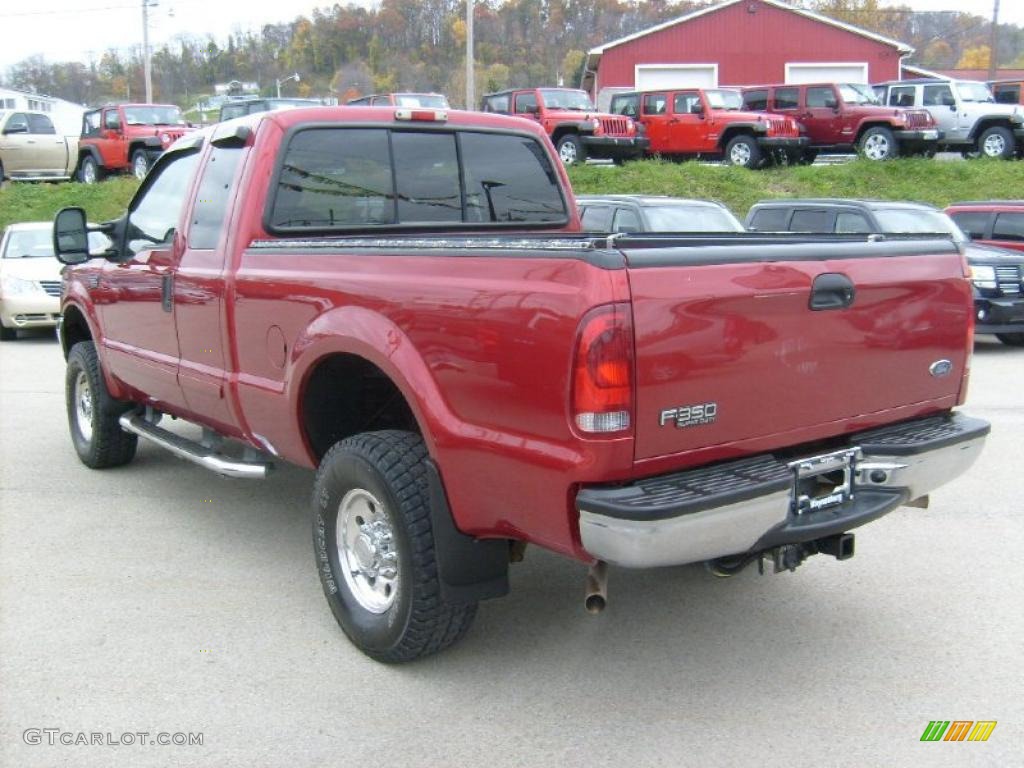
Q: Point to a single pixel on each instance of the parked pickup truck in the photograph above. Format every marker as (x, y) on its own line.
(844, 117)
(31, 150)
(710, 123)
(997, 273)
(402, 299)
(572, 122)
(126, 137)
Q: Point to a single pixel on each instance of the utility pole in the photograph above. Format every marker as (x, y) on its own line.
(146, 64)
(470, 69)
(994, 42)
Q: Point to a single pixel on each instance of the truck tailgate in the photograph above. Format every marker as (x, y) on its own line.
(728, 347)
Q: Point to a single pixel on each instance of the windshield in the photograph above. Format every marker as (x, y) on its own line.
(855, 93)
(425, 100)
(974, 92)
(562, 99)
(150, 115)
(690, 218)
(34, 243)
(722, 99)
(901, 221)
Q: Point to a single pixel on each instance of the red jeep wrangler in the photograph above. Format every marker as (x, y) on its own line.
(576, 128)
(840, 117)
(122, 137)
(709, 123)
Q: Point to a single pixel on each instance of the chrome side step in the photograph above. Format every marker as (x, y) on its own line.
(197, 453)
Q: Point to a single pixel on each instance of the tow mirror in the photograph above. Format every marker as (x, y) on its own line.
(71, 236)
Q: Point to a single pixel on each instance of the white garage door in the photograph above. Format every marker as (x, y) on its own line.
(827, 72)
(651, 77)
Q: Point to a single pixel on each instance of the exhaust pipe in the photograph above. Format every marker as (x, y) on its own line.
(597, 587)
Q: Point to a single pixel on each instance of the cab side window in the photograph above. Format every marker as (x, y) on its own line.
(821, 98)
(17, 123)
(111, 120)
(756, 101)
(686, 104)
(1009, 226)
(901, 96)
(810, 220)
(787, 98)
(973, 223)
(655, 103)
(938, 96)
(597, 218)
(40, 124)
(849, 223)
(91, 124)
(526, 103)
(156, 211)
(212, 197)
(770, 220)
(626, 220)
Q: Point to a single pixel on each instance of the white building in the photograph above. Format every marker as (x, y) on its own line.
(66, 115)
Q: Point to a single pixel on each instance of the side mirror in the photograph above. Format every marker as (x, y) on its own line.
(832, 104)
(697, 109)
(952, 107)
(71, 236)
(533, 109)
(20, 128)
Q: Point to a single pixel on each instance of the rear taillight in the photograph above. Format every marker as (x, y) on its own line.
(602, 371)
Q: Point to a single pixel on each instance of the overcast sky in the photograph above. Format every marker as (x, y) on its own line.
(61, 30)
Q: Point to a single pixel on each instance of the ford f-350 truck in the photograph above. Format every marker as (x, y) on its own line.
(402, 299)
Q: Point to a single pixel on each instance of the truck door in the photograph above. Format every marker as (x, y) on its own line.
(199, 288)
(654, 115)
(135, 298)
(940, 101)
(111, 145)
(688, 126)
(14, 143)
(821, 116)
(48, 152)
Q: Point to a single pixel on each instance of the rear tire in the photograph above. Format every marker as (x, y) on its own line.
(878, 143)
(374, 548)
(997, 143)
(1011, 339)
(89, 171)
(93, 414)
(744, 152)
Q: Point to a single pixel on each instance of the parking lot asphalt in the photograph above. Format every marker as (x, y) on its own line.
(160, 598)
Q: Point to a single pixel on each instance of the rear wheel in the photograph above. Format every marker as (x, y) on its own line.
(89, 170)
(997, 143)
(140, 164)
(743, 151)
(878, 143)
(571, 149)
(374, 548)
(93, 414)
(1011, 339)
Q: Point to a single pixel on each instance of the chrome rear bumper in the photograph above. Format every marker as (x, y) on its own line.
(753, 504)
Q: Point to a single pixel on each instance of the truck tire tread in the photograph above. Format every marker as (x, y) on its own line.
(109, 446)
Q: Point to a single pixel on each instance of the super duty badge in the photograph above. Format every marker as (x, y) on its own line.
(695, 415)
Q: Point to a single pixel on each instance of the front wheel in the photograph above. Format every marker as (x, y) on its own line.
(571, 149)
(374, 548)
(140, 164)
(997, 143)
(878, 143)
(1011, 339)
(743, 151)
(93, 414)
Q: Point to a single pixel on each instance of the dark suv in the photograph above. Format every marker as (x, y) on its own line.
(248, 105)
(653, 213)
(840, 117)
(992, 222)
(996, 273)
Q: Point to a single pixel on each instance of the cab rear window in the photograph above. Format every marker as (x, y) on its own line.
(340, 179)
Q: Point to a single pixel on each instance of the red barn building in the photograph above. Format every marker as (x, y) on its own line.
(742, 42)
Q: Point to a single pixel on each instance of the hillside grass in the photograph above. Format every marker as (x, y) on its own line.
(21, 201)
(937, 182)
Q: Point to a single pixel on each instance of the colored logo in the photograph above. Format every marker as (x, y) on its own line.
(958, 730)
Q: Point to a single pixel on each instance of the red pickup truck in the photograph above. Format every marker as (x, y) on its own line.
(710, 123)
(402, 299)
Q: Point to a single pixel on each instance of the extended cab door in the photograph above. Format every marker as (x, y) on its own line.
(14, 144)
(654, 115)
(941, 102)
(134, 298)
(48, 152)
(199, 300)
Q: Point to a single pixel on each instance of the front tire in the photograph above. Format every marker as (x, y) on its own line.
(93, 414)
(743, 151)
(878, 143)
(997, 143)
(374, 548)
(1011, 339)
(571, 149)
(140, 164)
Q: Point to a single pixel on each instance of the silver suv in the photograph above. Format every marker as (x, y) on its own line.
(965, 111)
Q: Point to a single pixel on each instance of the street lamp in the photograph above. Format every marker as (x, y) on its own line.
(294, 77)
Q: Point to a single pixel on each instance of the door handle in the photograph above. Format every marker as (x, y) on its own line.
(832, 290)
(167, 292)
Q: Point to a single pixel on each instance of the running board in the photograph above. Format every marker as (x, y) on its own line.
(208, 458)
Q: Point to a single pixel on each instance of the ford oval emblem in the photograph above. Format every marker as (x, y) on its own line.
(940, 368)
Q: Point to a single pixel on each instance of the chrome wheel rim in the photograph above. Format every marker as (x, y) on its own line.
(89, 173)
(141, 167)
(367, 551)
(739, 154)
(83, 405)
(567, 152)
(994, 145)
(876, 147)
